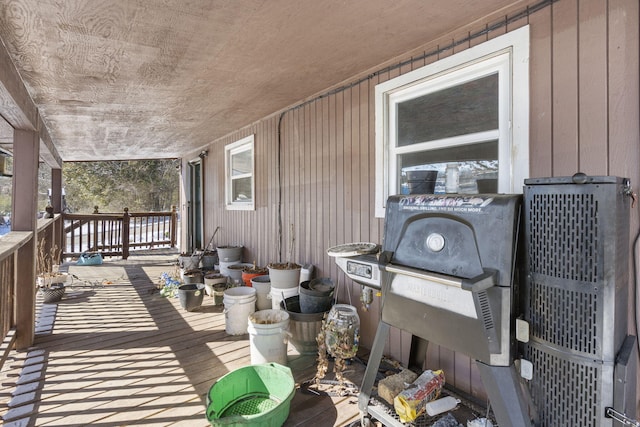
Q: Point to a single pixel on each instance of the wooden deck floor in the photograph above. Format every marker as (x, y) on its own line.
(120, 354)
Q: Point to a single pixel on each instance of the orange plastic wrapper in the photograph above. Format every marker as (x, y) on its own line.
(411, 402)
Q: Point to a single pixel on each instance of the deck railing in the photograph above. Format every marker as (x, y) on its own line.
(67, 235)
(12, 248)
(9, 246)
(116, 234)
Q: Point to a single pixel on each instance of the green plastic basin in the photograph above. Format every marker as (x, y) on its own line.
(256, 395)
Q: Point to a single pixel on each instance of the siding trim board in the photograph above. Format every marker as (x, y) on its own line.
(315, 160)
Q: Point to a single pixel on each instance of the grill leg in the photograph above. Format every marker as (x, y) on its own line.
(373, 364)
(506, 396)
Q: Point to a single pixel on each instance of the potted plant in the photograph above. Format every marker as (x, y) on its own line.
(285, 275)
(215, 284)
(230, 254)
(251, 272)
(208, 258)
(188, 261)
(50, 281)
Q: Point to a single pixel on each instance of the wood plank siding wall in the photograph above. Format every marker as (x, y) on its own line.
(584, 116)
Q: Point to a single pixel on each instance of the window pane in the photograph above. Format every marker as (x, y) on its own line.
(477, 163)
(241, 163)
(241, 190)
(459, 110)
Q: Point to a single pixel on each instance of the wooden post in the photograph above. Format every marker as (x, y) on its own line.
(126, 220)
(94, 235)
(174, 224)
(56, 203)
(56, 190)
(26, 153)
(59, 237)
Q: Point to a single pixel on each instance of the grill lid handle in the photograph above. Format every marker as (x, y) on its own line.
(481, 282)
(424, 275)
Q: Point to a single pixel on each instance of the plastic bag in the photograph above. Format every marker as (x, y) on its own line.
(411, 402)
(90, 258)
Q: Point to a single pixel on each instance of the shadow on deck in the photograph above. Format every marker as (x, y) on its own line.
(114, 352)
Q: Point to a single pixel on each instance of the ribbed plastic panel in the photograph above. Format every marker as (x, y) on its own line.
(564, 390)
(565, 318)
(564, 244)
(575, 295)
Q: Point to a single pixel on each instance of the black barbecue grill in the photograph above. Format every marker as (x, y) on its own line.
(449, 277)
(453, 272)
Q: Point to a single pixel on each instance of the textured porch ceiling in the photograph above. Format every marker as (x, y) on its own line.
(140, 79)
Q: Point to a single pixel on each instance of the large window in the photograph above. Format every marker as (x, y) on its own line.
(468, 112)
(239, 168)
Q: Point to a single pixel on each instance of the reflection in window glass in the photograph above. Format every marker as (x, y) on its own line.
(477, 165)
(241, 163)
(241, 190)
(458, 110)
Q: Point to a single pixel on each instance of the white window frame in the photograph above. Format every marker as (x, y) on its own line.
(245, 144)
(509, 56)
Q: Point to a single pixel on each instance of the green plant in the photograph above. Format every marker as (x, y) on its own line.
(169, 284)
(47, 268)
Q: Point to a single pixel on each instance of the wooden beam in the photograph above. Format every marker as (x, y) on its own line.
(16, 105)
(23, 218)
(19, 110)
(48, 151)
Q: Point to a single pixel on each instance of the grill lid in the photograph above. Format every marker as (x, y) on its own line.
(439, 244)
(454, 235)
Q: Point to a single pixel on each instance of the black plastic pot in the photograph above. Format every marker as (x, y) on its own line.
(191, 296)
(422, 182)
(316, 296)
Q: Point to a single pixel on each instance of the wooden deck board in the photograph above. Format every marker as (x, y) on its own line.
(120, 354)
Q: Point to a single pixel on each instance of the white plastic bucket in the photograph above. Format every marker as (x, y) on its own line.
(268, 336)
(239, 304)
(278, 294)
(262, 284)
(306, 272)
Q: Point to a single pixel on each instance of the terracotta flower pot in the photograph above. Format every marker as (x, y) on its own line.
(251, 272)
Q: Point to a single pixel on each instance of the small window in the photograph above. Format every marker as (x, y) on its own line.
(239, 172)
(468, 111)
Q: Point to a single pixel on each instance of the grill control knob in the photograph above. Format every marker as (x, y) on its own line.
(435, 242)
